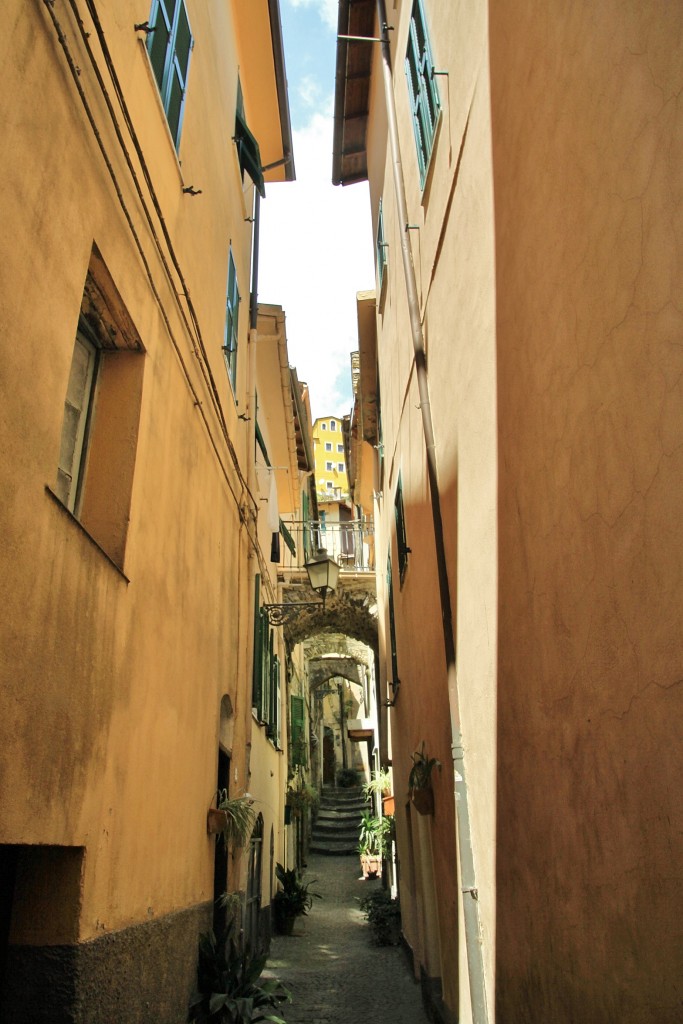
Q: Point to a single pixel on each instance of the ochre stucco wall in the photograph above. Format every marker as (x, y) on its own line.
(587, 146)
(111, 678)
(452, 248)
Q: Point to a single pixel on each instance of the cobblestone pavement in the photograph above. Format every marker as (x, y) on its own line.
(333, 971)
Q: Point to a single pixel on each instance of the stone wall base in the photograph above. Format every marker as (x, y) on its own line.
(144, 974)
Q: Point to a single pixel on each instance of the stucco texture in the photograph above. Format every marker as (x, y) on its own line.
(588, 148)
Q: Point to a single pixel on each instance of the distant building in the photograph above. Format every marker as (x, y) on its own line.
(331, 480)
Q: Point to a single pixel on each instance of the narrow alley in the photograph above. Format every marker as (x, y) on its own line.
(333, 971)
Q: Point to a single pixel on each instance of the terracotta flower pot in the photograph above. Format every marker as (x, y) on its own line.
(423, 800)
(389, 804)
(371, 866)
(216, 821)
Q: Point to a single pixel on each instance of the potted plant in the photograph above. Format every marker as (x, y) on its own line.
(229, 989)
(372, 844)
(384, 917)
(347, 777)
(302, 798)
(419, 781)
(380, 784)
(293, 899)
(232, 819)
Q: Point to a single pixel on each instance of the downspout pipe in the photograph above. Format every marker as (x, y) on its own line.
(473, 938)
(248, 511)
(253, 338)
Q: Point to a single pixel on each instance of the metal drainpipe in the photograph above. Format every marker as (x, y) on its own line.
(473, 939)
(253, 338)
(252, 561)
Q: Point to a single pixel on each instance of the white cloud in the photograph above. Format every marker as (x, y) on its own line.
(327, 9)
(316, 253)
(309, 91)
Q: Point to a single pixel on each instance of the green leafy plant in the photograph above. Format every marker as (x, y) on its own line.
(384, 917)
(375, 833)
(423, 766)
(380, 783)
(228, 987)
(294, 898)
(239, 817)
(303, 797)
(347, 777)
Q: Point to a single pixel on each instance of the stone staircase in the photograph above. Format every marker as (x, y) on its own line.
(336, 828)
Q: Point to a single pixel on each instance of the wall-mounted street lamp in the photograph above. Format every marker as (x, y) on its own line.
(323, 575)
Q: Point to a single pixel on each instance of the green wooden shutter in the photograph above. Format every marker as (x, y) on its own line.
(248, 153)
(422, 88)
(266, 648)
(381, 246)
(161, 22)
(306, 528)
(170, 45)
(274, 716)
(296, 715)
(392, 625)
(230, 334)
(180, 64)
(257, 679)
(401, 543)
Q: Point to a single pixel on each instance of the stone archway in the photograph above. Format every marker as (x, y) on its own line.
(351, 612)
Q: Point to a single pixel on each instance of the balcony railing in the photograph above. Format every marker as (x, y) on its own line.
(351, 543)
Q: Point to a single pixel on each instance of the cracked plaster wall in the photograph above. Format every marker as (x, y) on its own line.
(588, 149)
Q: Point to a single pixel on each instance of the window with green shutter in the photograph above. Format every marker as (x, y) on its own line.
(232, 309)
(257, 679)
(169, 44)
(248, 151)
(424, 94)
(381, 250)
(297, 735)
(274, 698)
(392, 625)
(401, 542)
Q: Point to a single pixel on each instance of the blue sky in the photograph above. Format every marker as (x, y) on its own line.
(316, 240)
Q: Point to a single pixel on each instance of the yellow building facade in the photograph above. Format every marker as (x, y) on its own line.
(133, 535)
(331, 479)
(526, 212)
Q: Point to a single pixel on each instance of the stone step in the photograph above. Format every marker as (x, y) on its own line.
(333, 848)
(334, 828)
(342, 813)
(338, 794)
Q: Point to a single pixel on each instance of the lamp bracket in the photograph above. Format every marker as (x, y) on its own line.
(279, 614)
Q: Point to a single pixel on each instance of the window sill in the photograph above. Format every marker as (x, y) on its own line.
(67, 512)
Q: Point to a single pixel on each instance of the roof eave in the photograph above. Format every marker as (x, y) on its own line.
(282, 93)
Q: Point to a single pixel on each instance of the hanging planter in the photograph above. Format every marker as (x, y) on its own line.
(423, 800)
(216, 821)
(420, 781)
(233, 819)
